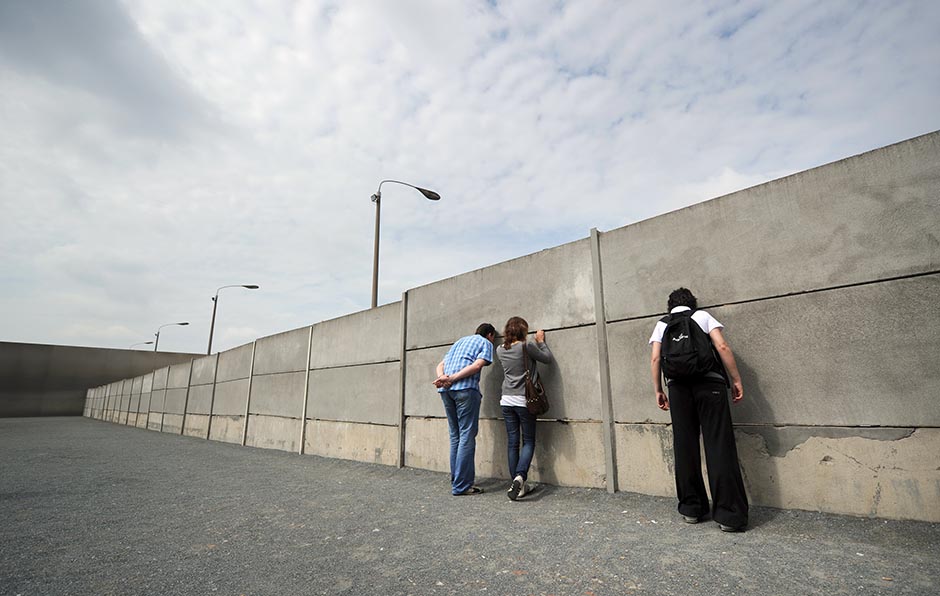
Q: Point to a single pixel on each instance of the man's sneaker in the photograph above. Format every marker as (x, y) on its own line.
(689, 519)
(517, 488)
(725, 528)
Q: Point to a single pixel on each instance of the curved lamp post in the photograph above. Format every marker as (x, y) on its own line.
(157, 334)
(377, 199)
(141, 343)
(215, 304)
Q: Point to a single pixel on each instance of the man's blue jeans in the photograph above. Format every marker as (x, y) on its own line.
(519, 418)
(463, 415)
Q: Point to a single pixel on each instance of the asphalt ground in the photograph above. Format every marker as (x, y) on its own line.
(88, 507)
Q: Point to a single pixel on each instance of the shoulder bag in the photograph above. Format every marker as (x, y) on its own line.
(535, 399)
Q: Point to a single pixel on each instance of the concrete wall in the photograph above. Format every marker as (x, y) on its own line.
(818, 278)
(45, 380)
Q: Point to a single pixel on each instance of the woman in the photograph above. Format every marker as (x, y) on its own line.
(512, 402)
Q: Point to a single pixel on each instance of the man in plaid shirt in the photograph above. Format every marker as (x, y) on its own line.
(458, 382)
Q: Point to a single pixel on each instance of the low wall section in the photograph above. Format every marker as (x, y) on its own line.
(818, 278)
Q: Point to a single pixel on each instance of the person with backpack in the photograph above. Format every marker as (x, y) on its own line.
(689, 351)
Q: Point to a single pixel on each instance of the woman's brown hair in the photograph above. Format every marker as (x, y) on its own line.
(516, 329)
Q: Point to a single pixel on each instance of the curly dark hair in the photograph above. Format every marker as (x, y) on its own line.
(516, 330)
(682, 297)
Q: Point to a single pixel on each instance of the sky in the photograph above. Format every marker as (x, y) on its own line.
(151, 152)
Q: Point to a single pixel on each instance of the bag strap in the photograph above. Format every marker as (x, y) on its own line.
(525, 359)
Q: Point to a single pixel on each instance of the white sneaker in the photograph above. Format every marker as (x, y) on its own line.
(523, 490)
(517, 488)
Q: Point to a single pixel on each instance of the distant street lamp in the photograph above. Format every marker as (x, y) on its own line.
(142, 343)
(157, 334)
(215, 304)
(377, 199)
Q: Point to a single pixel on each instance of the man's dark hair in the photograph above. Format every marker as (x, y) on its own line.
(682, 297)
(486, 329)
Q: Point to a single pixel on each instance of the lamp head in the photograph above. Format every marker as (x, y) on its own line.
(429, 194)
(251, 287)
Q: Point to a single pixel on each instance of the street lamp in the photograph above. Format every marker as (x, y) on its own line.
(215, 304)
(157, 334)
(377, 199)
(141, 343)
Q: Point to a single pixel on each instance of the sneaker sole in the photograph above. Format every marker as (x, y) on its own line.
(514, 490)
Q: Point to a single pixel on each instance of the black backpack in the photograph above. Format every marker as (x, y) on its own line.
(687, 352)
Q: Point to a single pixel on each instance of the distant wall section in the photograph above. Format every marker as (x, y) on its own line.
(47, 380)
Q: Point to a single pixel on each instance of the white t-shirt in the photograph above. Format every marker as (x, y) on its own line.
(704, 320)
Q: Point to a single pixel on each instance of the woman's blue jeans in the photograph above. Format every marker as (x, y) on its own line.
(517, 419)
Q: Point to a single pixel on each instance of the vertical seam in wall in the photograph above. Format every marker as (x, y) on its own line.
(139, 398)
(166, 388)
(215, 379)
(603, 363)
(251, 373)
(303, 414)
(189, 386)
(403, 335)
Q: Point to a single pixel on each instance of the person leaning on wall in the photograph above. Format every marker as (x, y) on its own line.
(458, 382)
(698, 402)
(514, 353)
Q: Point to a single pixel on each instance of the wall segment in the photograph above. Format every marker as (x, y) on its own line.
(815, 277)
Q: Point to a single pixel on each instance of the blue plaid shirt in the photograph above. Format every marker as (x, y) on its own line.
(466, 351)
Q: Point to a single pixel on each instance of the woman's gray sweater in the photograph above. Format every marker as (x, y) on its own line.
(514, 369)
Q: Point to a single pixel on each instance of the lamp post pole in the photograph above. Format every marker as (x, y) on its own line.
(377, 199)
(215, 305)
(157, 334)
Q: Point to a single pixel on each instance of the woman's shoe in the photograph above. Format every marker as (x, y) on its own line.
(517, 488)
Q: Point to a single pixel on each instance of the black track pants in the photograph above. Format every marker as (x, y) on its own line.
(704, 407)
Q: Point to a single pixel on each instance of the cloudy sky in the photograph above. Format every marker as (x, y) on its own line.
(152, 151)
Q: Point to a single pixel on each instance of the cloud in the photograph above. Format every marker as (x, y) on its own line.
(153, 152)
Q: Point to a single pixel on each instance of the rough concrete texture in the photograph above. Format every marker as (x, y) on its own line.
(421, 396)
(895, 475)
(157, 400)
(365, 393)
(196, 425)
(204, 370)
(444, 311)
(833, 358)
(572, 382)
(160, 377)
(284, 352)
(175, 401)
(179, 376)
(234, 364)
(200, 397)
(372, 443)
(364, 337)
(278, 394)
(81, 501)
(273, 432)
(227, 429)
(143, 420)
(872, 216)
(566, 454)
(172, 423)
(231, 398)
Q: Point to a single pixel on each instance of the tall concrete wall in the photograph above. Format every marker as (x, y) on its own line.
(817, 278)
(45, 380)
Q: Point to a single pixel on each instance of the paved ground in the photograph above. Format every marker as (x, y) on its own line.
(87, 507)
